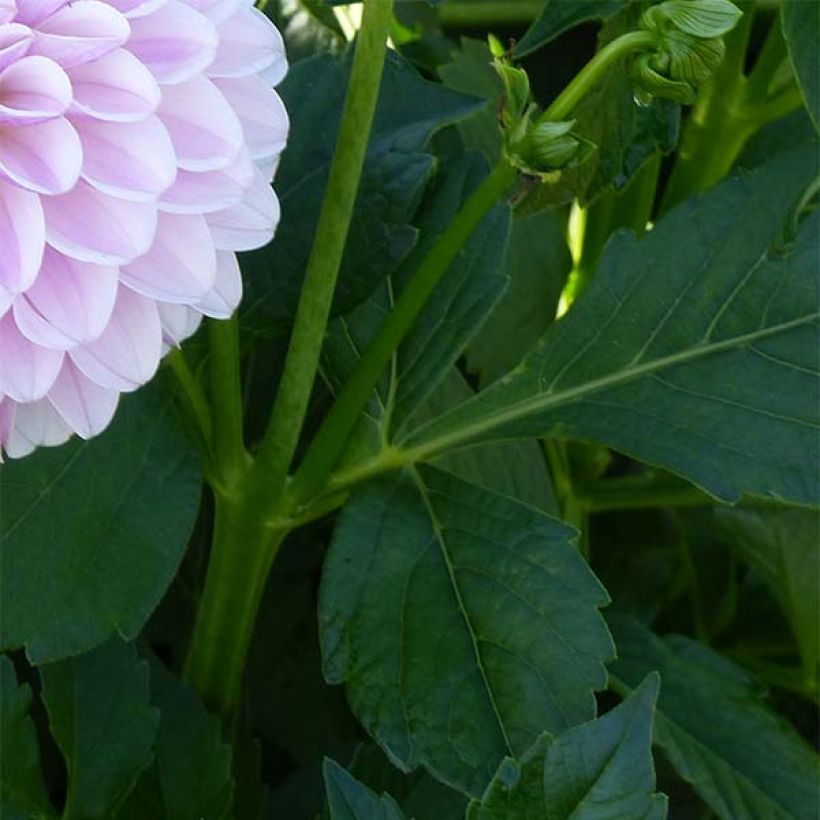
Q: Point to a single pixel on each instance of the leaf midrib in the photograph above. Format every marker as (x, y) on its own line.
(545, 401)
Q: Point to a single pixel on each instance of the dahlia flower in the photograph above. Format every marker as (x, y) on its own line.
(138, 139)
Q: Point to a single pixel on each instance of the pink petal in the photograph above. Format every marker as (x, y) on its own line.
(132, 160)
(175, 42)
(181, 265)
(44, 157)
(82, 31)
(248, 43)
(22, 237)
(251, 223)
(205, 131)
(36, 425)
(15, 41)
(224, 297)
(116, 87)
(199, 192)
(84, 406)
(128, 352)
(27, 371)
(92, 226)
(70, 303)
(33, 89)
(33, 11)
(261, 112)
(179, 322)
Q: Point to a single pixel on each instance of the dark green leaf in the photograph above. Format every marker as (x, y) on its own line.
(782, 545)
(745, 761)
(348, 799)
(538, 262)
(93, 532)
(558, 16)
(691, 349)
(601, 770)
(100, 715)
(517, 469)
(418, 794)
(22, 793)
(464, 623)
(191, 775)
(471, 71)
(801, 28)
(461, 302)
(397, 168)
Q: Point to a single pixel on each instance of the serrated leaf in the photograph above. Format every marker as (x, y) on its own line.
(463, 623)
(782, 545)
(419, 795)
(350, 800)
(601, 770)
(716, 729)
(92, 533)
(691, 349)
(558, 16)
(471, 71)
(538, 263)
(463, 299)
(397, 168)
(100, 715)
(801, 28)
(22, 792)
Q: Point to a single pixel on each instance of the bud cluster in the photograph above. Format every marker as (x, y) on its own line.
(689, 47)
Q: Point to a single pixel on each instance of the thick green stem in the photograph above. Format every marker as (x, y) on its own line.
(331, 439)
(595, 70)
(242, 553)
(301, 364)
(226, 400)
(729, 110)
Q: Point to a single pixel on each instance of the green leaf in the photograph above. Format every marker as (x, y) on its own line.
(397, 168)
(517, 469)
(716, 730)
(626, 134)
(538, 262)
(418, 794)
(457, 308)
(464, 623)
(601, 770)
(92, 533)
(191, 776)
(558, 16)
(22, 792)
(471, 72)
(782, 545)
(801, 28)
(100, 715)
(350, 800)
(691, 349)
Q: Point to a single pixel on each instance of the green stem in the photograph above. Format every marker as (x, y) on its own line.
(332, 436)
(768, 62)
(595, 70)
(242, 553)
(196, 407)
(301, 364)
(226, 400)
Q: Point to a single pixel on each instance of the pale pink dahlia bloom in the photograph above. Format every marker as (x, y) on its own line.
(138, 139)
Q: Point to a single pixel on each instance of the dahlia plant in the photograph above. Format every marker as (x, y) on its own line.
(488, 488)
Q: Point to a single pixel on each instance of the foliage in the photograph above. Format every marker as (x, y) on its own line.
(547, 542)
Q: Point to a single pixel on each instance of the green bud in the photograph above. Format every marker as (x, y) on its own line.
(650, 83)
(704, 19)
(516, 92)
(542, 148)
(689, 48)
